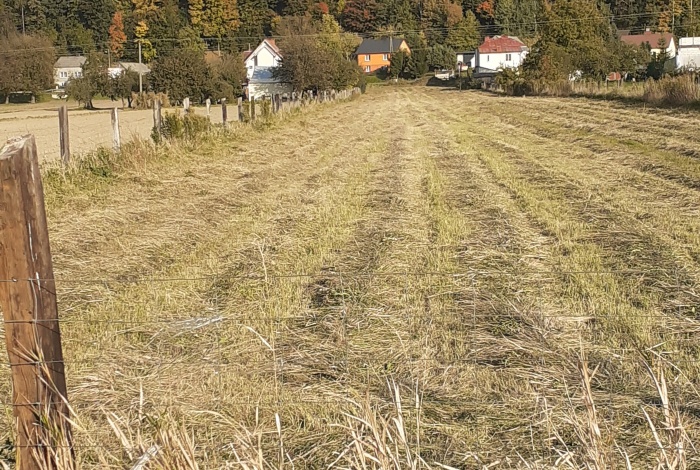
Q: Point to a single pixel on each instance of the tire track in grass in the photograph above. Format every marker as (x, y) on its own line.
(520, 336)
(638, 150)
(552, 202)
(143, 354)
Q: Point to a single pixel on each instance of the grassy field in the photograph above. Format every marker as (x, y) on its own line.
(418, 278)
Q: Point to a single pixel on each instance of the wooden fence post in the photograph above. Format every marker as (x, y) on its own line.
(252, 108)
(63, 134)
(241, 117)
(157, 117)
(28, 301)
(116, 140)
(224, 112)
(186, 104)
(208, 103)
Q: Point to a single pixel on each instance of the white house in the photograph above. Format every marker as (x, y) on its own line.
(466, 60)
(259, 64)
(500, 52)
(653, 40)
(66, 68)
(267, 54)
(261, 84)
(688, 56)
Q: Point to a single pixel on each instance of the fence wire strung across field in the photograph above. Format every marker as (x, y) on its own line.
(306, 348)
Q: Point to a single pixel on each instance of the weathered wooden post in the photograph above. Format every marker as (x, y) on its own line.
(116, 136)
(208, 103)
(241, 116)
(157, 117)
(28, 301)
(224, 113)
(63, 134)
(252, 108)
(186, 105)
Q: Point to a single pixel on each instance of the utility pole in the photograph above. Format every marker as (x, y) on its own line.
(23, 29)
(140, 73)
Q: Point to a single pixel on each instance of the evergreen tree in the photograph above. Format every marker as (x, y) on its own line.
(465, 36)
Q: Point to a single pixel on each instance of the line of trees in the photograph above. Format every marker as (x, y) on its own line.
(26, 64)
(184, 73)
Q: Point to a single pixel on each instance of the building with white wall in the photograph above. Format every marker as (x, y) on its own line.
(688, 55)
(501, 52)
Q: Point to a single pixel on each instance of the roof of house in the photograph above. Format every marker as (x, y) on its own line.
(379, 46)
(246, 54)
(262, 75)
(467, 56)
(75, 61)
(269, 42)
(647, 37)
(136, 67)
(496, 44)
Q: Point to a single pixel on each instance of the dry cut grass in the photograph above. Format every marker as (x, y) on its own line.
(414, 279)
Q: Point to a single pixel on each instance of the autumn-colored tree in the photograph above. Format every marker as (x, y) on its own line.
(147, 49)
(117, 37)
(220, 17)
(195, 8)
(359, 15)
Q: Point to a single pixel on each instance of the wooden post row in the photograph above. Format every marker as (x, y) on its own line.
(224, 113)
(28, 301)
(63, 134)
(116, 139)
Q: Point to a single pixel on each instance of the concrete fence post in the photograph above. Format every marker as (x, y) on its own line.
(116, 135)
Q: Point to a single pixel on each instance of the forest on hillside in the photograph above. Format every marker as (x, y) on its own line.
(317, 38)
(162, 26)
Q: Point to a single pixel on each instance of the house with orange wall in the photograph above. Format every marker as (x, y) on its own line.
(373, 54)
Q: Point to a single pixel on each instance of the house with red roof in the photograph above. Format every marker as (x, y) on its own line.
(500, 52)
(655, 41)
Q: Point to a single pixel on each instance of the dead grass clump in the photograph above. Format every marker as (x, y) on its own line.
(146, 100)
(672, 91)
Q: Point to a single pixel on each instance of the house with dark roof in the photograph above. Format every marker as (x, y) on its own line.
(655, 41)
(500, 52)
(66, 68)
(374, 54)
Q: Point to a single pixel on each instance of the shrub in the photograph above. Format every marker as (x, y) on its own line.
(194, 125)
(173, 126)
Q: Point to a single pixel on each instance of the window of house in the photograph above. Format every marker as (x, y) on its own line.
(368, 69)
(64, 74)
(487, 58)
(386, 57)
(508, 57)
(367, 58)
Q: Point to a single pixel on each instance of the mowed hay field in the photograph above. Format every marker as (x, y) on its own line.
(414, 278)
